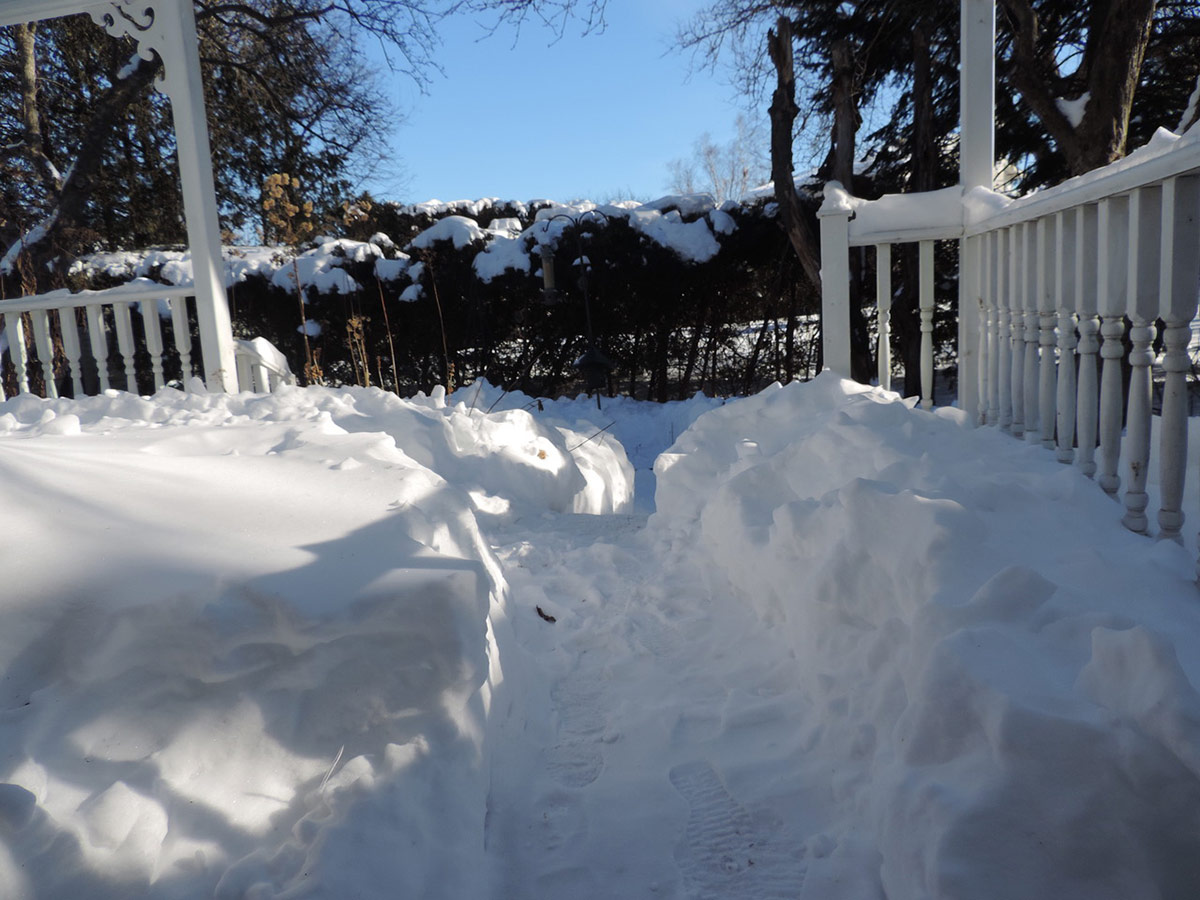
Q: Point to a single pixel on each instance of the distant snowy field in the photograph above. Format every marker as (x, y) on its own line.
(813, 643)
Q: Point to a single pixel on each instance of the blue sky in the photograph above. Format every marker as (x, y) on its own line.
(597, 116)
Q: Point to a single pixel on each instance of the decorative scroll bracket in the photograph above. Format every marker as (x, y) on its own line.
(155, 28)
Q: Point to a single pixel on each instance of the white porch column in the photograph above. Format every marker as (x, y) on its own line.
(834, 216)
(178, 46)
(168, 27)
(977, 74)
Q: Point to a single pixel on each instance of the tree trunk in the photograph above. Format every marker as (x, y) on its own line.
(693, 354)
(1118, 34)
(783, 112)
(42, 241)
(845, 114)
(906, 316)
(796, 222)
(34, 143)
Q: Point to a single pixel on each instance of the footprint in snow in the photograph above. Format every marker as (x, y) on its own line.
(723, 853)
(576, 760)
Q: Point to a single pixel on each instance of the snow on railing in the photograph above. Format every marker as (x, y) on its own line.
(261, 367)
(93, 341)
(846, 222)
(1046, 279)
(97, 340)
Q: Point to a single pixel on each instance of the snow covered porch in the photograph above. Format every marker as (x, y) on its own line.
(1047, 279)
(91, 339)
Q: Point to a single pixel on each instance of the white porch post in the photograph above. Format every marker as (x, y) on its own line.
(179, 49)
(977, 74)
(835, 282)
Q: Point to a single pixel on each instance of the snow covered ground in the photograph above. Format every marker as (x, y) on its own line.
(812, 643)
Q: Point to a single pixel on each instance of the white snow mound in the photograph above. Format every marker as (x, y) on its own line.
(249, 641)
(1003, 698)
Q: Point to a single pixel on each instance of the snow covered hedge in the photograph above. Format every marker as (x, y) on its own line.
(683, 295)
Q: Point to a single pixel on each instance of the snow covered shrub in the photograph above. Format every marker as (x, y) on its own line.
(682, 295)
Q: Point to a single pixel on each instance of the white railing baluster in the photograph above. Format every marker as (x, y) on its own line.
(1017, 310)
(1029, 301)
(183, 339)
(883, 310)
(978, 295)
(40, 322)
(991, 330)
(154, 342)
(970, 306)
(1004, 332)
(70, 339)
(1180, 271)
(14, 327)
(1109, 246)
(925, 249)
(1087, 403)
(1145, 258)
(1065, 247)
(98, 337)
(125, 344)
(1047, 261)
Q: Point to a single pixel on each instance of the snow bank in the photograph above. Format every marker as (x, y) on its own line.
(1002, 690)
(250, 642)
(642, 430)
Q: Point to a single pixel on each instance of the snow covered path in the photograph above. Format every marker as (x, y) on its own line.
(655, 728)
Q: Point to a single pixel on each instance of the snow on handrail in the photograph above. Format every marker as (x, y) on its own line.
(261, 366)
(1167, 155)
(897, 218)
(87, 334)
(135, 291)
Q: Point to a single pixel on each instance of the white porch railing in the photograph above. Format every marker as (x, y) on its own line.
(119, 338)
(94, 333)
(261, 368)
(1047, 283)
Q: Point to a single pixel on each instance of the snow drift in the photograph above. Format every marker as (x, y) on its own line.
(1001, 680)
(249, 641)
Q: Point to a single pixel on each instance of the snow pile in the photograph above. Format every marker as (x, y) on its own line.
(472, 208)
(1001, 683)
(249, 642)
(1075, 108)
(321, 267)
(643, 430)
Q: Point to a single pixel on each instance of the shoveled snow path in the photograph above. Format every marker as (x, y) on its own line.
(652, 755)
